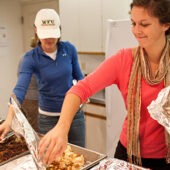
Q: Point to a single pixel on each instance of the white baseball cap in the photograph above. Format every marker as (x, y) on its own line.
(47, 23)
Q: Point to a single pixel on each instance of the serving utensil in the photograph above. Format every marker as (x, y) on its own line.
(7, 136)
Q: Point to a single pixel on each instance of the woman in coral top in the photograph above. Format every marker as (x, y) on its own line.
(140, 74)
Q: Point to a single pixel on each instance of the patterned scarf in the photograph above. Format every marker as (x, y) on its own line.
(140, 69)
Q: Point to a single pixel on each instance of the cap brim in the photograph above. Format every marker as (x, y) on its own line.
(48, 33)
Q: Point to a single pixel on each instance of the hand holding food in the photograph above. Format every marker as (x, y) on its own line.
(53, 144)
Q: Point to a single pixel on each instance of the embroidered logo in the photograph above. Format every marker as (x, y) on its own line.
(48, 22)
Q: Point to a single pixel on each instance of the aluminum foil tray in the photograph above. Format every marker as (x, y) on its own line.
(92, 158)
(13, 156)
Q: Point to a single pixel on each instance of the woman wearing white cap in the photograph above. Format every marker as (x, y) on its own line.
(55, 65)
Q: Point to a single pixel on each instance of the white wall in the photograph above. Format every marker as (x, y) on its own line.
(10, 14)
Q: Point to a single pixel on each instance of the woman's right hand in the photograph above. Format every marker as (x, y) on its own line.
(53, 144)
(4, 129)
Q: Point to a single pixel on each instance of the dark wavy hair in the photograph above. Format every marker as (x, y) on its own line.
(157, 8)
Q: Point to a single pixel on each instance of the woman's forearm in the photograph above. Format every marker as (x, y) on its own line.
(56, 139)
(10, 115)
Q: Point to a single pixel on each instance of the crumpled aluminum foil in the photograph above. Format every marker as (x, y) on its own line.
(159, 109)
(21, 126)
(116, 164)
(26, 164)
(23, 163)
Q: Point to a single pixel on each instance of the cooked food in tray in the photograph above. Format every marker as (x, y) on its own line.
(11, 147)
(68, 161)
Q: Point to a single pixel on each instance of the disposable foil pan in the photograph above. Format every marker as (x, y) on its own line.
(92, 158)
(116, 164)
(14, 157)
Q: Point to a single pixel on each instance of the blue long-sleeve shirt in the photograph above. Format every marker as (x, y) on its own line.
(54, 77)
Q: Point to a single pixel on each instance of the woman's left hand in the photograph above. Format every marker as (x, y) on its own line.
(53, 144)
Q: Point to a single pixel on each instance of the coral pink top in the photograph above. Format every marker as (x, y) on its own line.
(116, 70)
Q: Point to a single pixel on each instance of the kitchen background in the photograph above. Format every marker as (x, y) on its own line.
(83, 23)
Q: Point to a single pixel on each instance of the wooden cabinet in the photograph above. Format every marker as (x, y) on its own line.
(95, 121)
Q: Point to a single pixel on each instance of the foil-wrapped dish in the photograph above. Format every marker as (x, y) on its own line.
(112, 163)
(159, 109)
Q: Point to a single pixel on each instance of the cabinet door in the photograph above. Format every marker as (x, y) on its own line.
(95, 120)
(81, 23)
(95, 133)
(68, 10)
(90, 26)
(84, 21)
